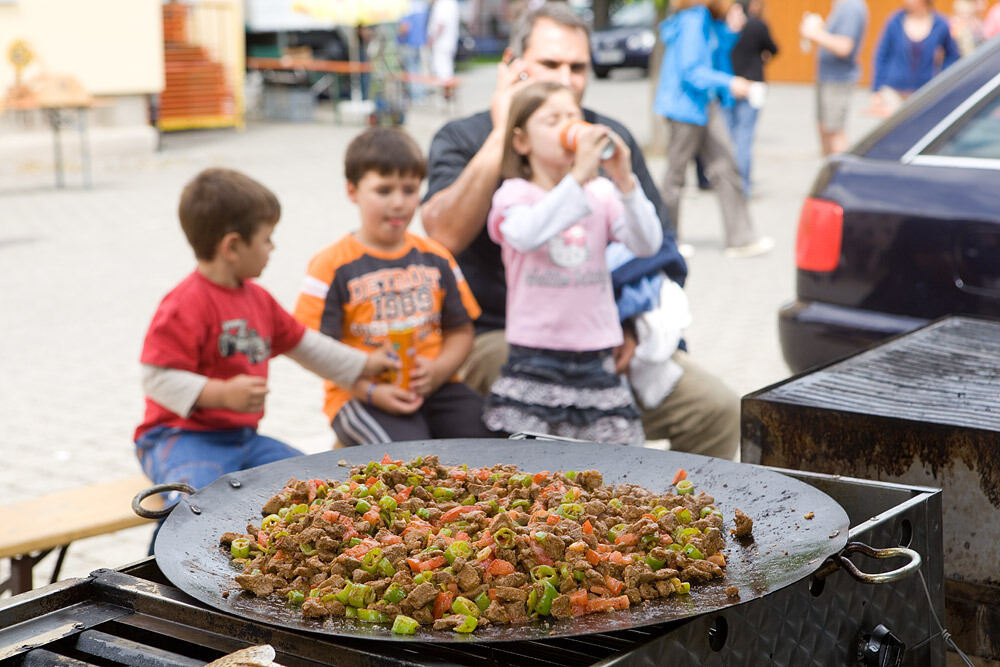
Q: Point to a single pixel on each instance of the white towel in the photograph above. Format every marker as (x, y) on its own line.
(653, 374)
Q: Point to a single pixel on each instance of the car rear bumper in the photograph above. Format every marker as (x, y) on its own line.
(814, 333)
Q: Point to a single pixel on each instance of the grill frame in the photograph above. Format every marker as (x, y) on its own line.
(790, 626)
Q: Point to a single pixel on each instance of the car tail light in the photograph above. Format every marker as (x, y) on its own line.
(821, 227)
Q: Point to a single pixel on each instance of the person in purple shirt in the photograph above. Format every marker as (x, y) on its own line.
(915, 45)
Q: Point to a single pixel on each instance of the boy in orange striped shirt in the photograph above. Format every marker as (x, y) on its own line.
(383, 284)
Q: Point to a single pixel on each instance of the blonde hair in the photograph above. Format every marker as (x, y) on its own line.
(524, 104)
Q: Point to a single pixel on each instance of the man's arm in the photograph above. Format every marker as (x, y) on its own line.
(454, 215)
(814, 30)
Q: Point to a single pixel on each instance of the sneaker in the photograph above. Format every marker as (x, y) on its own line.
(762, 245)
(686, 250)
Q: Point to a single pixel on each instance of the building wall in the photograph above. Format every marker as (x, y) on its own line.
(113, 47)
(784, 17)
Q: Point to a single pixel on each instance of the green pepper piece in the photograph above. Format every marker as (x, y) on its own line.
(483, 601)
(344, 488)
(329, 597)
(469, 500)
(684, 487)
(369, 563)
(520, 502)
(354, 541)
(456, 549)
(615, 502)
(505, 537)
(445, 531)
(269, 521)
(691, 551)
(372, 468)
(647, 540)
(240, 548)
(465, 606)
(413, 480)
(654, 563)
(579, 575)
(683, 535)
(362, 506)
(422, 578)
(388, 503)
(361, 491)
(544, 605)
(343, 596)
(615, 531)
(659, 511)
(308, 549)
(314, 592)
(385, 568)
(405, 625)
(361, 595)
(394, 594)
(467, 625)
(683, 515)
(417, 462)
(442, 493)
(571, 475)
(371, 616)
(283, 512)
(296, 597)
(541, 536)
(351, 612)
(532, 601)
(424, 513)
(543, 573)
(571, 511)
(493, 507)
(295, 511)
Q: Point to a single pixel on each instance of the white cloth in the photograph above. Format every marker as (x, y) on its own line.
(652, 372)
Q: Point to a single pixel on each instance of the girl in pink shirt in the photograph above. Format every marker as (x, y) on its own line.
(553, 218)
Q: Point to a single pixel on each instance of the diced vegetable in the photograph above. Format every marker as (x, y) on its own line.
(684, 487)
(405, 625)
(240, 548)
(394, 594)
(372, 616)
(549, 594)
(465, 606)
(467, 625)
(296, 597)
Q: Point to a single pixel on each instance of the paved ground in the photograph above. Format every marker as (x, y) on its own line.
(82, 271)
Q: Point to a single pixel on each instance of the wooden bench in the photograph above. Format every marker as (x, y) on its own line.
(32, 528)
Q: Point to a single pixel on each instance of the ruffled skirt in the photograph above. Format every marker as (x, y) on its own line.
(569, 394)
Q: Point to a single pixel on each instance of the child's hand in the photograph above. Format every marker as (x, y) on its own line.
(590, 142)
(423, 377)
(380, 361)
(396, 401)
(244, 393)
(619, 165)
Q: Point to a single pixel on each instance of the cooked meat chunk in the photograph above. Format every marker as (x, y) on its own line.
(743, 523)
(422, 595)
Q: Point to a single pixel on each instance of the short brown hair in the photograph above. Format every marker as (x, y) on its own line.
(557, 12)
(385, 150)
(221, 201)
(522, 106)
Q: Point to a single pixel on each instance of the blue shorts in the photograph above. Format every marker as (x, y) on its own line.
(199, 458)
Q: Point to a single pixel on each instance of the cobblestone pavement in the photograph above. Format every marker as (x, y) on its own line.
(81, 273)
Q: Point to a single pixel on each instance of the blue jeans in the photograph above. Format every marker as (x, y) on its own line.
(199, 458)
(742, 121)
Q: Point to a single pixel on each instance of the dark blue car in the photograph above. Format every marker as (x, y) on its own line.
(905, 227)
(627, 42)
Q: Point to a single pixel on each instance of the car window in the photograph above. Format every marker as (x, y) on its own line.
(641, 14)
(976, 136)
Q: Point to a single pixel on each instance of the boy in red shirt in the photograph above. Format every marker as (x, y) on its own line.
(382, 283)
(205, 356)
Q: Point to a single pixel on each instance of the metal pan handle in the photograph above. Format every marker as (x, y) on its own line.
(159, 488)
(840, 560)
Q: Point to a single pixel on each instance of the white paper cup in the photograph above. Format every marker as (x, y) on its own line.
(757, 94)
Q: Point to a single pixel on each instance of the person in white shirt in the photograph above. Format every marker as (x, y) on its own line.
(442, 36)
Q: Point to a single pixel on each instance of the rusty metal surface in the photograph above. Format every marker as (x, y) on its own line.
(787, 548)
(939, 429)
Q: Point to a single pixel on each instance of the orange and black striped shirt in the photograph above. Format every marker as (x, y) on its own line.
(357, 294)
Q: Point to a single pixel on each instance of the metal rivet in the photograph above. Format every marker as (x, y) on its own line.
(235, 483)
(79, 626)
(195, 509)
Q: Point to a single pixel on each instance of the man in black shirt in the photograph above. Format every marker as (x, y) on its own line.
(753, 48)
(700, 414)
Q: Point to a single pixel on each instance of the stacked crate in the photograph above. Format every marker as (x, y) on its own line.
(197, 93)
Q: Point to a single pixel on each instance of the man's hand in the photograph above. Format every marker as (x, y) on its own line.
(739, 87)
(424, 379)
(812, 26)
(243, 393)
(511, 77)
(380, 361)
(619, 166)
(624, 352)
(395, 401)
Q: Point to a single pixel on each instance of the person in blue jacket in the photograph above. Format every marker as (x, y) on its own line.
(915, 45)
(695, 80)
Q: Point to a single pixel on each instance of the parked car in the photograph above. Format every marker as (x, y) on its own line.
(628, 41)
(904, 227)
